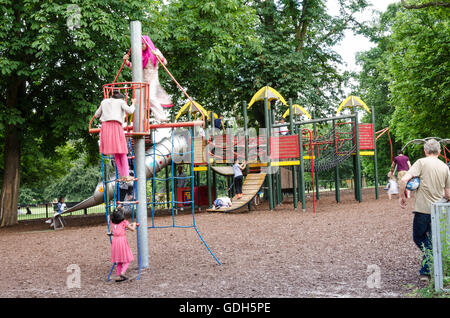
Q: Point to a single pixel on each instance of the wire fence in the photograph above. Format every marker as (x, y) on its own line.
(46, 210)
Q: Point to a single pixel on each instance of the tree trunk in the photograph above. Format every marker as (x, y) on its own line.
(302, 27)
(11, 179)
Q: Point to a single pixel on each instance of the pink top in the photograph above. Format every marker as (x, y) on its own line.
(120, 250)
(120, 229)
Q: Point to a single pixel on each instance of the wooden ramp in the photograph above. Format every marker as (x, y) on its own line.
(252, 184)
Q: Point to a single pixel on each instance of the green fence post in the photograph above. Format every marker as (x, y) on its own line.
(375, 164)
(269, 168)
(294, 172)
(357, 162)
(301, 171)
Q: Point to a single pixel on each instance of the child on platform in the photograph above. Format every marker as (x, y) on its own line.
(121, 253)
(112, 138)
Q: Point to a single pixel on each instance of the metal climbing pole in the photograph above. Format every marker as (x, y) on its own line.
(136, 56)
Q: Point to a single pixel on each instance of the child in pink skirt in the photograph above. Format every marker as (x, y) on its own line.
(120, 249)
(112, 138)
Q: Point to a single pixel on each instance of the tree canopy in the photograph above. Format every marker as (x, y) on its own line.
(55, 55)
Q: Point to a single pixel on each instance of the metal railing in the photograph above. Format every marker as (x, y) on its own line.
(440, 230)
(46, 210)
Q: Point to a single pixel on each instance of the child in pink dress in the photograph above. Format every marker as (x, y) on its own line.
(159, 98)
(112, 138)
(120, 249)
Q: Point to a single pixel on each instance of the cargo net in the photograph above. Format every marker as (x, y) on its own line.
(329, 150)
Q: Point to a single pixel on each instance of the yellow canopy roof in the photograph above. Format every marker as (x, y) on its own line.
(352, 101)
(214, 114)
(298, 110)
(192, 109)
(268, 92)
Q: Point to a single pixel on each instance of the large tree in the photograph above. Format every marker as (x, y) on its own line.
(419, 73)
(298, 58)
(54, 57)
(406, 77)
(205, 43)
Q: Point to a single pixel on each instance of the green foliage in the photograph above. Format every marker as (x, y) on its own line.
(78, 184)
(64, 173)
(297, 58)
(60, 70)
(205, 42)
(406, 78)
(419, 78)
(373, 88)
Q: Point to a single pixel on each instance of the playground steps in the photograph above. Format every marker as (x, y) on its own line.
(252, 184)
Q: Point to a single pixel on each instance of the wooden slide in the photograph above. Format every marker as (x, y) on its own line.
(252, 184)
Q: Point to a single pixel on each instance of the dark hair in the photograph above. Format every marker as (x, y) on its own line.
(399, 152)
(60, 198)
(117, 95)
(117, 216)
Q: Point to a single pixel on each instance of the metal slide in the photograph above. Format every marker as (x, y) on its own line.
(160, 155)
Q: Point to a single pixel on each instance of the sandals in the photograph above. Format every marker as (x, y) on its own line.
(121, 279)
(127, 179)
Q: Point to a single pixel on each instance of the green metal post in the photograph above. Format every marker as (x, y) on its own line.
(273, 175)
(208, 163)
(247, 169)
(301, 170)
(294, 172)
(167, 187)
(316, 154)
(246, 134)
(336, 170)
(357, 162)
(269, 168)
(375, 164)
(214, 177)
(174, 190)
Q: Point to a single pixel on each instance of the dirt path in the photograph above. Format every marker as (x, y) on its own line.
(281, 253)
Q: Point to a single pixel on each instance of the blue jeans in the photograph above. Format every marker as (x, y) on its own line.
(422, 238)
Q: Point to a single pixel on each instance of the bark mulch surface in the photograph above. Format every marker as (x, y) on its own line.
(337, 252)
